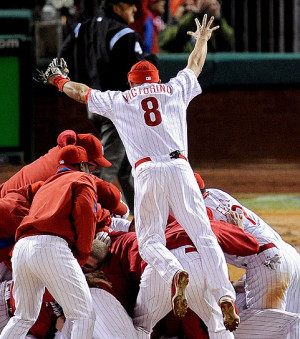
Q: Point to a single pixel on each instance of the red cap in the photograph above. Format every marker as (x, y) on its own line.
(71, 154)
(94, 149)
(109, 196)
(67, 137)
(142, 72)
(174, 4)
(200, 181)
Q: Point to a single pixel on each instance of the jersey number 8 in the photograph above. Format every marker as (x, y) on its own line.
(152, 115)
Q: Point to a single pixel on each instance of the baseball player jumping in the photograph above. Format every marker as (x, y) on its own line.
(151, 121)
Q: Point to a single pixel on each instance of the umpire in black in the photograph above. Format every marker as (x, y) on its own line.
(100, 52)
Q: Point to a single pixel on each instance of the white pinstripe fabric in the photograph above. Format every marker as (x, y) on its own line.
(153, 301)
(126, 111)
(265, 288)
(4, 317)
(112, 321)
(160, 186)
(5, 273)
(268, 324)
(47, 261)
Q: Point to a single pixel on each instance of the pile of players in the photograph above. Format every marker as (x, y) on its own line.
(128, 299)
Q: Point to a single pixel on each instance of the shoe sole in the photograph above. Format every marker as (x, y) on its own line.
(231, 319)
(179, 301)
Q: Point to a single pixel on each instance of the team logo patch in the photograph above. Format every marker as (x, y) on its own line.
(148, 78)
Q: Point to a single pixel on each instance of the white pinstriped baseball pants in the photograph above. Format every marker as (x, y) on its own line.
(266, 288)
(266, 323)
(5, 273)
(112, 321)
(153, 301)
(171, 185)
(47, 261)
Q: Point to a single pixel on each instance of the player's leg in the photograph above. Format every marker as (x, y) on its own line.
(63, 277)
(201, 296)
(266, 287)
(153, 302)
(151, 213)
(268, 324)
(112, 321)
(188, 207)
(28, 292)
(5, 273)
(293, 292)
(4, 317)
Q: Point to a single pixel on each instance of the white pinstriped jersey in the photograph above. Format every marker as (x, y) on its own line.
(151, 118)
(220, 202)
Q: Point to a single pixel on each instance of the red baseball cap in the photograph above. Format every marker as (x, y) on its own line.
(94, 149)
(142, 72)
(109, 196)
(67, 137)
(71, 155)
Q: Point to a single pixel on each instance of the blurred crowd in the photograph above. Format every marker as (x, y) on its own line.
(162, 24)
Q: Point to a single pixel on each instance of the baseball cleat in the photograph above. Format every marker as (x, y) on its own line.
(230, 313)
(179, 301)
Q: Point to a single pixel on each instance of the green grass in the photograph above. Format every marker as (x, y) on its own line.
(270, 201)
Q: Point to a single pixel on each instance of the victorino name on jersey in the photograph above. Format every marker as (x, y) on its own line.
(146, 89)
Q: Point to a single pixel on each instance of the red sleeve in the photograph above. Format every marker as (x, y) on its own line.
(84, 220)
(209, 213)
(234, 240)
(103, 218)
(13, 208)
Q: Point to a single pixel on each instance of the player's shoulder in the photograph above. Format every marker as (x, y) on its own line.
(217, 194)
(183, 77)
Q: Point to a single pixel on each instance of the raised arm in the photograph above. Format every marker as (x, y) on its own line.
(74, 90)
(57, 75)
(202, 35)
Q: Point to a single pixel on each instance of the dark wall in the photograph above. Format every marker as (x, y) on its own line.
(245, 125)
(233, 125)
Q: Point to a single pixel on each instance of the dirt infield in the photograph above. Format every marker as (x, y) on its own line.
(246, 178)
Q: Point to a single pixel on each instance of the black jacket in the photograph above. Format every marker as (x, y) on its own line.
(101, 51)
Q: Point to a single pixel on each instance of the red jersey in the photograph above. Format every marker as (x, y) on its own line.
(123, 267)
(42, 168)
(232, 239)
(65, 206)
(39, 170)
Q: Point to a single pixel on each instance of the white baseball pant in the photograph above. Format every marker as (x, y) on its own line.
(154, 298)
(46, 261)
(270, 288)
(170, 184)
(5, 273)
(112, 321)
(266, 323)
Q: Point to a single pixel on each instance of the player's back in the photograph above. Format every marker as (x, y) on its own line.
(150, 118)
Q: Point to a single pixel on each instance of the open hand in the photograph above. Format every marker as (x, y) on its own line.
(203, 31)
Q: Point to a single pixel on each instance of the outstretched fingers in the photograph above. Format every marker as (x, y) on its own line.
(198, 28)
(204, 20)
(210, 21)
